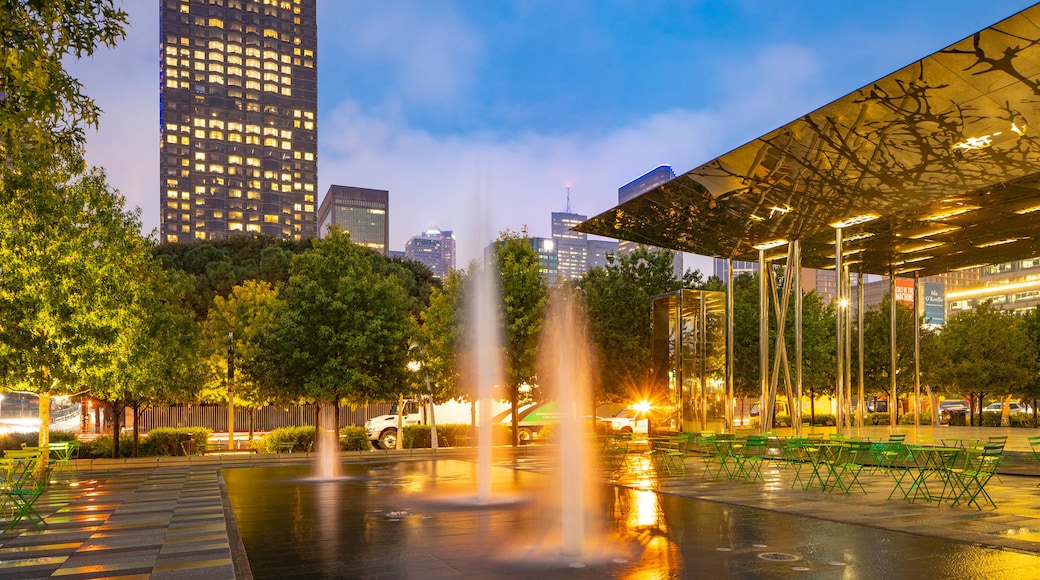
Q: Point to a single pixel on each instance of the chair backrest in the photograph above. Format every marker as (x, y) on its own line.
(897, 437)
(1000, 440)
(859, 451)
(990, 458)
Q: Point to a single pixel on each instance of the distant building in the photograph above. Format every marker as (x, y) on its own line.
(739, 267)
(546, 249)
(396, 254)
(571, 246)
(435, 249)
(238, 100)
(362, 212)
(644, 183)
(598, 250)
(639, 186)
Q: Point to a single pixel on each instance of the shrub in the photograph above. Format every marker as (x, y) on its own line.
(1014, 420)
(101, 447)
(455, 435)
(166, 441)
(354, 438)
(876, 419)
(908, 419)
(301, 438)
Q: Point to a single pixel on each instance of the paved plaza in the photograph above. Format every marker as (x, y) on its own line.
(171, 518)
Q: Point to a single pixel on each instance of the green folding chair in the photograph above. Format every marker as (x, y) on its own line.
(851, 463)
(1034, 446)
(23, 499)
(970, 484)
(751, 457)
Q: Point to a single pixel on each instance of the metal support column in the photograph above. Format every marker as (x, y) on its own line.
(839, 332)
(892, 401)
(846, 312)
(795, 275)
(729, 343)
(763, 339)
(862, 406)
(917, 351)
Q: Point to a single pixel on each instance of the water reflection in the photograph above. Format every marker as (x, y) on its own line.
(381, 523)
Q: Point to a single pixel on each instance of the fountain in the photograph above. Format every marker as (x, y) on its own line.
(488, 362)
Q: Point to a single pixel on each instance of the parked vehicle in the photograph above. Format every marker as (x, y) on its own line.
(382, 430)
(626, 421)
(952, 412)
(1014, 407)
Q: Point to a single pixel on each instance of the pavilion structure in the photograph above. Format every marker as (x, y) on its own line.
(931, 169)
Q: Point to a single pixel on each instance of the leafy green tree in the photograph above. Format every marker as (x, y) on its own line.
(250, 310)
(158, 356)
(523, 297)
(618, 299)
(69, 264)
(877, 365)
(441, 337)
(42, 108)
(986, 351)
(818, 347)
(1031, 325)
(344, 332)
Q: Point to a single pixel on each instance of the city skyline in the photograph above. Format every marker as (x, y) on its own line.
(504, 105)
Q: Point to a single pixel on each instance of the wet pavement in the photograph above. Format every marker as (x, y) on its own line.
(406, 515)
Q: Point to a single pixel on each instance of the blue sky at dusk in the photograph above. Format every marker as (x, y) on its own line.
(475, 115)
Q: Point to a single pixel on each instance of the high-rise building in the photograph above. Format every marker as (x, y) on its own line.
(238, 118)
(547, 259)
(361, 211)
(435, 249)
(571, 246)
(598, 252)
(739, 267)
(639, 186)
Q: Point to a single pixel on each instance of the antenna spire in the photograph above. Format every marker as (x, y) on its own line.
(568, 198)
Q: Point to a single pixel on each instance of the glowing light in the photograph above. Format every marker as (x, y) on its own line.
(770, 244)
(1026, 210)
(642, 406)
(997, 243)
(937, 232)
(980, 142)
(951, 212)
(856, 220)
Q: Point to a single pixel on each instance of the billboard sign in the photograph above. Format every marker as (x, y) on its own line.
(934, 303)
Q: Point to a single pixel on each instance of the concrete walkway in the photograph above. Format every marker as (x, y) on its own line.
(168, 518)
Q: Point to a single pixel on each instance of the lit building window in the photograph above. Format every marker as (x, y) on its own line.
(235, 226)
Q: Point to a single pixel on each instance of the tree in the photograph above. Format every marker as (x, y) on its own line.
(69, 265)
(345, 330)
(249, 311)
(523, 298)
(42, 108)
(618, 299)
(877, 365)
(440, 336)
(158, 356)
(986, 350)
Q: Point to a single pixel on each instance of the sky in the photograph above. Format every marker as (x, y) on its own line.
(477, 115)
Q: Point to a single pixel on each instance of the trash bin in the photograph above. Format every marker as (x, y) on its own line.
(958, 418)
(187, 443)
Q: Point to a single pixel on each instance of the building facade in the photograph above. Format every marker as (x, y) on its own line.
(572, 247)
(238, 118)
(598, 250)
(362, 212)
(435, 249)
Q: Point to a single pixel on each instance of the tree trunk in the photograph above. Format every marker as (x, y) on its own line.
(400, 423)
(252, 412)
(44, 438)
(116, 412)
(137, 430)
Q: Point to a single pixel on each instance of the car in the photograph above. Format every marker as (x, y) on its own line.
(952, 405)
(626, 421)
(1014, 407)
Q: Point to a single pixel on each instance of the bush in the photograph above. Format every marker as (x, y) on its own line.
(876, 419)
(166, 441)
(908, 419)
(301, 438)
(101, 447)
(354, 438)
(1014, 420)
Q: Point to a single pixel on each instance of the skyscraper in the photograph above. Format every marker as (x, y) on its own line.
(435, 249)
(571, 246)
(639, 186)
(361, 211)
(598, 252)
(238, 118)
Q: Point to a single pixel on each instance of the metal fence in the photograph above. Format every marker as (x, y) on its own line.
(214, 417)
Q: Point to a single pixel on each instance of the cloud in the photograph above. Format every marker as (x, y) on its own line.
(430, 51)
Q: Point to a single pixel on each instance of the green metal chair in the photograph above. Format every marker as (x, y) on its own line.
(23, 499)
(970, 483)
(852, 460)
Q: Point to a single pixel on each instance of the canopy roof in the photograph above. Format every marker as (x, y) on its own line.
(939, 163)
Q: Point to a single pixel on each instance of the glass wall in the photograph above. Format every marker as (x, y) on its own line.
(688, 340)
